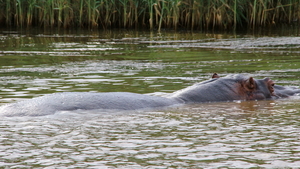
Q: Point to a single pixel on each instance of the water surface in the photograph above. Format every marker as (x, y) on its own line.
(254, 134)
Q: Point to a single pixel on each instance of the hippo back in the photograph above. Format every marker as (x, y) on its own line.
(68, 101)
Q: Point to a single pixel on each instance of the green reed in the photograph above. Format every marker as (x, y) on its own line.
(19, 13)
(151, 14)
(7, 12)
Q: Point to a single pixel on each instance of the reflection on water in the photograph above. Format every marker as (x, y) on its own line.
(257, 134)
(264, 44)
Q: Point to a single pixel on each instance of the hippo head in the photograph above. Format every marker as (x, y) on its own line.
(256, 89)
(274, 91)
(248, 88)
(233, 87)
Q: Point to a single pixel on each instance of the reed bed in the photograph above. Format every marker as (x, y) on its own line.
(151, 14)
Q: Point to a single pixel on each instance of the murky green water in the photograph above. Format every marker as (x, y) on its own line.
(262, 134)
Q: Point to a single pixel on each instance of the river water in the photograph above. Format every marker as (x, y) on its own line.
(240, 134)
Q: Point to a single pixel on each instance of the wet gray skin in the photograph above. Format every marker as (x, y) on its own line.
(217, 89)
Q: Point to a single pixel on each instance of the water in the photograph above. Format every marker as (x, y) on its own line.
(254, 134)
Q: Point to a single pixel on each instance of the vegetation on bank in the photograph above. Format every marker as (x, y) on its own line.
(152, 14)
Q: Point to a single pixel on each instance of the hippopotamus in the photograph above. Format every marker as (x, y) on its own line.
(217, 89)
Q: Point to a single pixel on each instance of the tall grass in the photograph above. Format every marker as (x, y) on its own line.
(151, 14)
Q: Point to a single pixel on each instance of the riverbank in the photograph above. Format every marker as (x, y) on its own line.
(149, 14)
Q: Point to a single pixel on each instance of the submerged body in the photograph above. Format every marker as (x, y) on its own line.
(229, 88)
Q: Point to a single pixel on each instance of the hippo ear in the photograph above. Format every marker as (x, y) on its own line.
(250, 83)
(270, 85)
(269, 81)
(215, 75)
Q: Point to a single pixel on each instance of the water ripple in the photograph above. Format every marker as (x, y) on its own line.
(182, 138)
